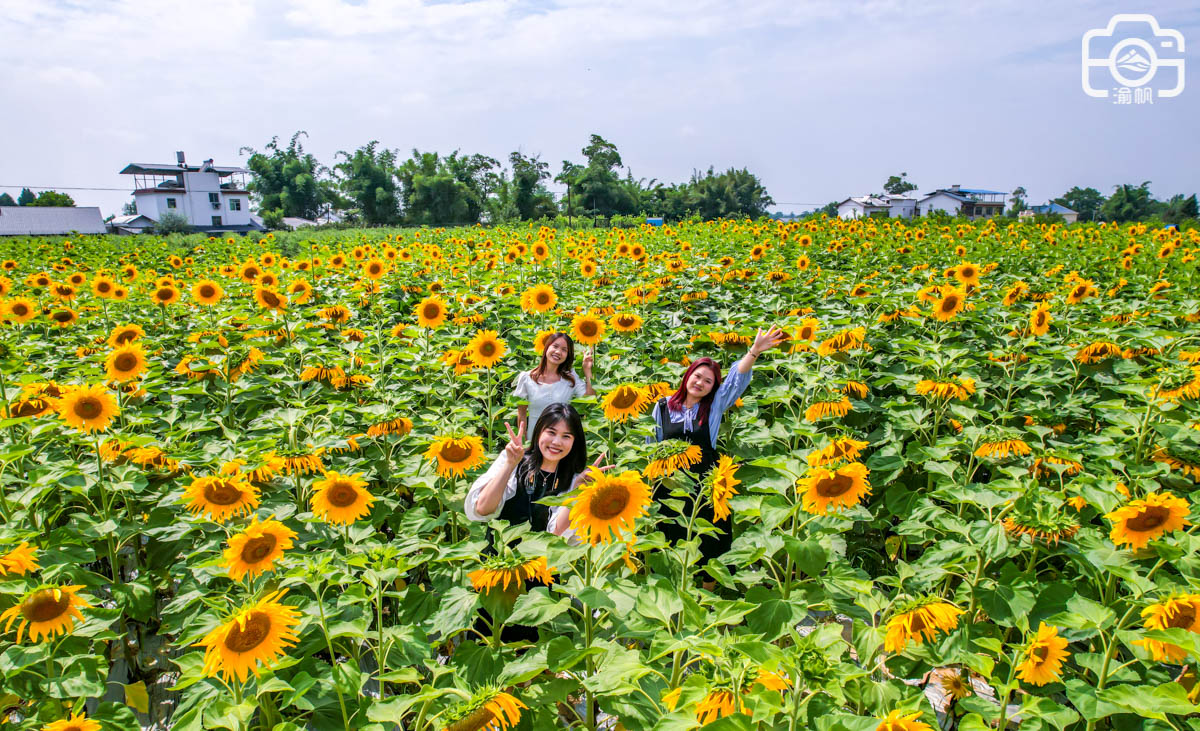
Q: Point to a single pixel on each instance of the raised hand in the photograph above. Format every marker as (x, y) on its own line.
(595, 470)
(767, 340)
(587, 363)
(515, 449)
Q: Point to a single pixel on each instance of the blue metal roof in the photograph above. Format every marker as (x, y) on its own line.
(980, 191)
(1051, 208)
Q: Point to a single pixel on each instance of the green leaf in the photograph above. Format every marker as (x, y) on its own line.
(456, 611)
(1149, 702)
(536, 607)
(136, 697)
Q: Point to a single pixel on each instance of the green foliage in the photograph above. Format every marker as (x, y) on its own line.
(290, 181)
(1129, 203)
(52, 198)
(368, 177)
(447, 190)
(7, 200)
(1084, 201)
(26, 197)
(171, 222)
(897, 184)
(1179, 209)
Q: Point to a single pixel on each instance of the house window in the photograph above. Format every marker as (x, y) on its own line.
(170, 203)
(235, 204)
(214, 197)
(216, 220)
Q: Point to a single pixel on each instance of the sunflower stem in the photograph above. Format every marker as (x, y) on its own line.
(332, 659)
(589, 631)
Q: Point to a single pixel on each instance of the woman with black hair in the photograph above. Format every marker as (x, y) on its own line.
(553, 381)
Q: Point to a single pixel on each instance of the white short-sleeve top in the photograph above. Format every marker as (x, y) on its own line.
(541, 395)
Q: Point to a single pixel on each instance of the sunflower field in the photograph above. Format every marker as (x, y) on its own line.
(232, 475)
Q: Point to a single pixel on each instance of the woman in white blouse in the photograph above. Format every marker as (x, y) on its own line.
(553, 381)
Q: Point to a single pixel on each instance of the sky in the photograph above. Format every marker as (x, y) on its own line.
(822, 99)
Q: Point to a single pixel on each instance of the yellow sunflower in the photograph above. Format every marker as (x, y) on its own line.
(207, 292)
(841, 448)
(500, 572)
(967, 273)
(670, 456)
(256, 635)
(1040, 319)
(1176, 612)
(124, 334)
(87, 408)
(718, 704)
(255, 549)
(539, 298)
(165, 295)
(825, 490)
(48, 611)
(608, 505)
(960, 388)
(269, 299)
(341, 499)
(626, 322)
(125, 363)
(821, 409)
(1001, 448)
(487, 710)
(300, 291)
(456, 455)
(842, 341)
(901, 721)
(920, 621)
(19, 561)
(374, 269)
(1142, 521)
(19, 310)
(221, 497)
(1044, 657)
(486, 348)
(587, 329)
(63, 317)
(950, 304)
(76, 722)
(431, 312)
(722, 481)
(623, 402)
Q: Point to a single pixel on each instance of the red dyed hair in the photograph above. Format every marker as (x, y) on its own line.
(676, 400)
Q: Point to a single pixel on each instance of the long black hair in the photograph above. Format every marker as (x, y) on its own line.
(570, 465)
(564, 368)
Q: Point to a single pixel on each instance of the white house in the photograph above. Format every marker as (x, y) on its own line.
(895, 206)
(212, 198)
(1068, 215)
(958, 201)
(50, 220)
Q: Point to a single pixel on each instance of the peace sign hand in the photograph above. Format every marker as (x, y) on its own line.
(515, 449)
(587, 363)
(595, 470)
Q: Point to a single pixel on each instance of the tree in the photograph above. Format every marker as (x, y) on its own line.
(51, 198)
(1017, 201)
(7, 200)
(1084, 201)
(897, 184)
(171, 222)
(129, 209)
(1129, 203)
(1179, 209)
(732, 194)
(454, 189)
(529, 196)
(368, 178)
(597, 186)
(290, 180)
(26, 197)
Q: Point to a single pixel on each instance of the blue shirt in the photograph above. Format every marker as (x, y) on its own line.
(728, 392)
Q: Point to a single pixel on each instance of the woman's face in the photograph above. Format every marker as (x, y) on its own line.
(555, 442)
(700, 383)
(556, 352)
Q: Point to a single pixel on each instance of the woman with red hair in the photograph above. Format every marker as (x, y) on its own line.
(693, 414)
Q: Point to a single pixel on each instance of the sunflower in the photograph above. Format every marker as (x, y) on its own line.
(399, 426)
(207, 292)
(335, 313)
(87, 408)
(955, 685)
(19, 561)
(539, 298)
(857, 389)
(374, 269)
(255, 549)
(842, 341)
(456, 455)
(950, 304)
(269, 299)
(321, 372)
(300, 291)
(825, 490)
(1044, 657)
(841, 448)
(623, 402)
(626, 322)
(164, 295)
(1098, 351)
(670, 456)
(341, 499)
(76, 722)
(967, 274)
(722, 481)
(718, 704)
(257, 634)
(920, 621)
(828, 407)
(125, 363)
(1187, 464)
(587, 329)
(500, 571)
(1080, 292)
(1041, 523)
(103, 286)
(608, 505)
(64, 317)
(123, 334)
(19, 310)
(1144, 520)
(487, 710)
(303, 461)
(250, 272)
(486, 348)
(1043, 466)
(431, 312)
(900, 721)
(1040, 319)
(1176, 612)
(587, 268)
(1002, 448)
(220, 497)
(960, 388)
(48, 611)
